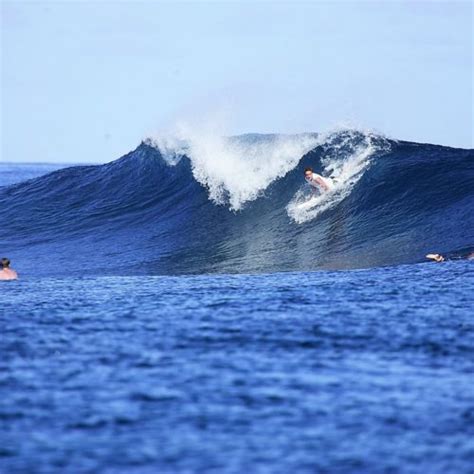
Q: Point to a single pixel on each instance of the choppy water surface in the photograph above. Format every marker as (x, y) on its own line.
(361, 371)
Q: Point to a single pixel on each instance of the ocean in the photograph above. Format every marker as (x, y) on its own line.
(180, 313)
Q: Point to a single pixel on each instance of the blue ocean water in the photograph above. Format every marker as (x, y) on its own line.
(167, 322)
(354, 371)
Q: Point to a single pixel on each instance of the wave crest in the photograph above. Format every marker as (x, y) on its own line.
(236, 170)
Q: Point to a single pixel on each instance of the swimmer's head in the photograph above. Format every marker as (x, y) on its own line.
(5, 262)
(308, 172)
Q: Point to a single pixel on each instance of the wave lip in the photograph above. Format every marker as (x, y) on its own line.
(231, 205)
(236, 170)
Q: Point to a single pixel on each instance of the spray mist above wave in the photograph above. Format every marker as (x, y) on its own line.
(345, 157)
(236, 170)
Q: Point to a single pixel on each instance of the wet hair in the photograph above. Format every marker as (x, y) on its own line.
(308, 169)
(5, 262)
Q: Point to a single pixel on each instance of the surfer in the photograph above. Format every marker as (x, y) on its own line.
(7, 273)
(317, 181)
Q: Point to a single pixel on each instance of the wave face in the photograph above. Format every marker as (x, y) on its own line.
(239, 205)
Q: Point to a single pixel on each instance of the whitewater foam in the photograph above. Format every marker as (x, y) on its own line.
(235, 170)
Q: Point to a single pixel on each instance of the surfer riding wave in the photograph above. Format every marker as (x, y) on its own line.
(317, 181)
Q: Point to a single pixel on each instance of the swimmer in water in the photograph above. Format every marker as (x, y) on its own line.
(7, 273)
(436, 257)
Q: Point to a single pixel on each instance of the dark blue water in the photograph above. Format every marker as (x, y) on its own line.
(359, 371)
(113, 360)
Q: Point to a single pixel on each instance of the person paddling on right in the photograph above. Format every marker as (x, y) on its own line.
(317, 181)
(7, 273)
(436, 257)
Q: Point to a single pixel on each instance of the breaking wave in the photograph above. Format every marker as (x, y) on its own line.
(197, 203)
